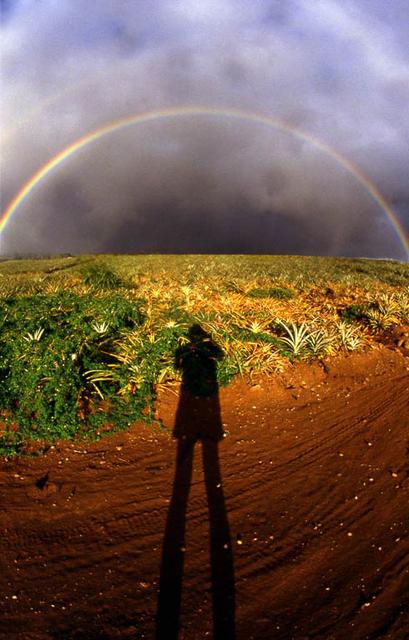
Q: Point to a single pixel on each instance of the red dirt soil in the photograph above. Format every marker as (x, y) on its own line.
(313, 498)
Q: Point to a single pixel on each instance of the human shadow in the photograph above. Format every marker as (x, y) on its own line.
(198, 418)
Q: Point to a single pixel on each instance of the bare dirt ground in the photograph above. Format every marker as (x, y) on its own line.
(293, 526)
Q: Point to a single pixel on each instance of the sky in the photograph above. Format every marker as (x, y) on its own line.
(337, 70)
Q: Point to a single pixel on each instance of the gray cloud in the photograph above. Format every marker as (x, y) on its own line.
(338, 70)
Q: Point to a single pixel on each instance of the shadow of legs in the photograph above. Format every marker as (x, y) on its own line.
(171, 571)
(221, 556)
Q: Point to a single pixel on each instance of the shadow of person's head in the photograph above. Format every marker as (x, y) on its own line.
(197, 334)
(197, 359)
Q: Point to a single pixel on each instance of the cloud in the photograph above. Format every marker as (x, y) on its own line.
(338, 70)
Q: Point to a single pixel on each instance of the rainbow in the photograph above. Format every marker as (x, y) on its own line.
(177, 112)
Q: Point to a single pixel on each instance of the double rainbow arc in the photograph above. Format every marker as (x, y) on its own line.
(177, 112)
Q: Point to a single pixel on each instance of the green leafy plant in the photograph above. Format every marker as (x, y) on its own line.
(354, 313)
(48, 344)
(279, 293)
(320, 343)
(295, 337)
(402, 301)
(35, 336)
(384, 313)
(348, 336)
(234, 286)
(102, 277)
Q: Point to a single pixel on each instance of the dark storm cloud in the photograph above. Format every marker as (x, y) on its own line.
(339, 70)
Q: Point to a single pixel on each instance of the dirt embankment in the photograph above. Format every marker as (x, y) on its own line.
(292, 526)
